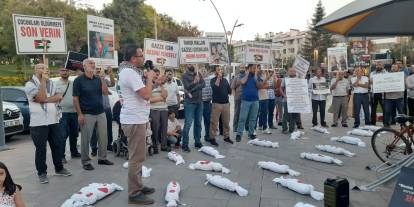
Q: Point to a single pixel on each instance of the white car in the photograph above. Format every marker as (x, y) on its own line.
(13, 119)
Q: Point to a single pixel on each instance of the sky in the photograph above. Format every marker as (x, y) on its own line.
(258, 16)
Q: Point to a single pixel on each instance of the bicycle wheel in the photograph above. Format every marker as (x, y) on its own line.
(389, 146)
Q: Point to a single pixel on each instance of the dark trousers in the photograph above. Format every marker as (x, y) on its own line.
(94, 139)
(321, 105)
(291, 118)
(159, 126)
(392, 105)
(376, 99)
(271, 109)
(206, 119)
(263, 112)
(237, 103)
(361, 99)
(410, 103)
(40, 136)
(70, 128)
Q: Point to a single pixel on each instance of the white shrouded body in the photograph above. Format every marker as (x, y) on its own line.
(263, 143)
(209, 166)
(211, 151)
(226, 184)
(177, 158)
(172, 195)
(299, 187)
(334, 150)
(320, 158)
(275, 167)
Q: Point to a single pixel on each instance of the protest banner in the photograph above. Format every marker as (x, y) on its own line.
(161, 53)
(101, 41)
(74, 61)
(337, 59)
(257, 53)
(359, 54)
(297, 95)
(388, 82)
(302, 66)
(39, 35)
(194, 50)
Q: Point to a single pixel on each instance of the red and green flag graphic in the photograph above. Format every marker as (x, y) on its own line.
(40, 44)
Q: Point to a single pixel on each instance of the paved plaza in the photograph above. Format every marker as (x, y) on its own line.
(241, 159)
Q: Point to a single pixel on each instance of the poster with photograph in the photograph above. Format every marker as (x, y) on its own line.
(258, 53)
(388, 82)
(161, 53)
(74, 61)
(337, 59)
(39, 35)
(101, 41)
(321, 88)
(302, 66)
(219, 53)
(359, 54)
(194, 50)
(297, 93)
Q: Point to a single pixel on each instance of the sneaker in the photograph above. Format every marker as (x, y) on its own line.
(155, 150)
(334, 125)
(279, 124)
(63, 172)
(228, 140)
(238, 138)
(166, 149)
(76, 155)
(267, 131)
(345, 125)
(355, 126)
(254, 133)
(88, 167)
(273, 127)
(186, 149)
(110, 148)
(253, 136)
(147, 190)
(325, 125)
(140, 199)
(213, 142)
(198, 145)
(94, 153)
(105, 162)
(64, 161)
(43, 179)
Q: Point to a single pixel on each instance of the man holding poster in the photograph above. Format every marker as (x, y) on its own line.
(393, 101)
(319, 90)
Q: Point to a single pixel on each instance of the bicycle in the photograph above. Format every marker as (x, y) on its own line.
(391, 145)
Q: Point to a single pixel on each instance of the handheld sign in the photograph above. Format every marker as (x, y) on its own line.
(161, 53)
(74, 61)
(257, 53)
(388, 82)
(403, 195)
(194, 50)
(302, 66)
(39, 35)
(297, 93)
(337, 59)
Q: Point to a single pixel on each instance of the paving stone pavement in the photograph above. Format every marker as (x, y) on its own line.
(241, 159)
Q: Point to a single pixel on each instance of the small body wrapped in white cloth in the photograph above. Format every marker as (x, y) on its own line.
(361, 132)
(334, 150)
(177, 158)
(226, 184)
(320, 129)
(275, 167)
(296, 135)
(350, 140)
(263, 143)
(211, 151)
(91, 194)
(320, 158)
(299, 187)
(300, 204)
(172, 195)
(209, 166)
(370, 128)
(146, 172)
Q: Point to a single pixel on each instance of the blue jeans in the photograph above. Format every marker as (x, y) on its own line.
(361, 99)
(270, 113)
(192, 112)
(390, 106)
(263, 111)
(94, 139)
(70, 128)
(247, 109)
(206, 119)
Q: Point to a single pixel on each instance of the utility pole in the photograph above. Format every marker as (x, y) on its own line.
(3, 145)
(155, 25)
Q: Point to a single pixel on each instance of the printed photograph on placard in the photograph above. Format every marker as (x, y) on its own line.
(337, 59)
(101, 45)
(218, 53)
(320, 88)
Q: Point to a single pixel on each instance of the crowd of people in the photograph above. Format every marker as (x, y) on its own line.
(58, 109)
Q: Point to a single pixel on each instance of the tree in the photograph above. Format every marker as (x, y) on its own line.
(317, 38)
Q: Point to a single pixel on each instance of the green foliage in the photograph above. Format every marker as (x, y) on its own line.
(317, 38)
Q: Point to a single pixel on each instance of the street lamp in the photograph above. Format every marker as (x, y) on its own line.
(231, 37)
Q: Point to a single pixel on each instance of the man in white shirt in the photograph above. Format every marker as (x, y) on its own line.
(44, 121)
(360, 83)
(173, 98)
(136, 92)
(316, 86)
(376, 98)
(340, 87)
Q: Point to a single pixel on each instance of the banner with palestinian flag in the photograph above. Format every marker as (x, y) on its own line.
(39, 35)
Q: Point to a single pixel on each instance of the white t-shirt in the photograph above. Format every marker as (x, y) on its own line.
(172, 125)
(41, 114)
(364, 80)
(135, 109)
(173, 91)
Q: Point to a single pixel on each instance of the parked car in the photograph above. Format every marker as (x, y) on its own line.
(17, 96)
(13, 119)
